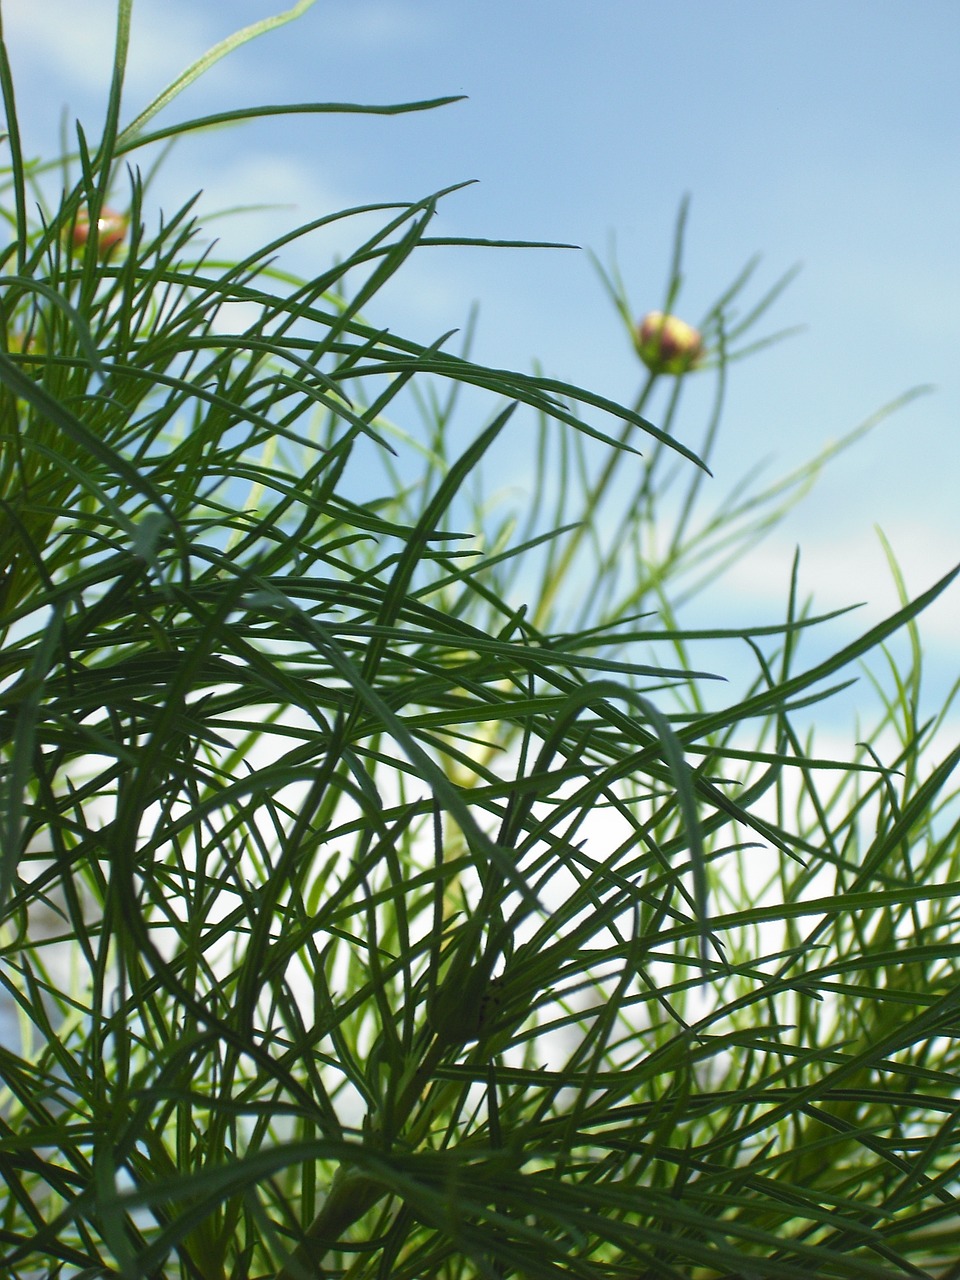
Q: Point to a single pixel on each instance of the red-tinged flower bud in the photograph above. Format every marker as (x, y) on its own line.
(668, 345)
(111, 230)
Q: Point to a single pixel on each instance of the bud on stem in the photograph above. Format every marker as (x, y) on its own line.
(111, 230)
(667, 344)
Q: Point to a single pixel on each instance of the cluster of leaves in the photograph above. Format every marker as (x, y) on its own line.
(377, 898)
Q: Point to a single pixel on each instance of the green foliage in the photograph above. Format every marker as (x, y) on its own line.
(382, 892)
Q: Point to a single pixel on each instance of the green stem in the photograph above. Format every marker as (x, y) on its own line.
(595, 496)
(352, 1194)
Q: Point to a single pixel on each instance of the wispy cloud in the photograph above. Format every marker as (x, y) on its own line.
(64, 57)
(250, 199)
(77, 49)
(380, 23)
(853, 569)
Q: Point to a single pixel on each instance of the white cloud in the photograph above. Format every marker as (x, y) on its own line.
(64, 59)
(428, 295)
(846, 569)
(75, 43)
(78, 50)
(272, 193)
(372, 25)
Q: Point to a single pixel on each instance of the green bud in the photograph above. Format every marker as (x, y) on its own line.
(667, 344)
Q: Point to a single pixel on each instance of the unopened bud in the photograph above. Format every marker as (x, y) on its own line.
(111, 230)
(667, 344)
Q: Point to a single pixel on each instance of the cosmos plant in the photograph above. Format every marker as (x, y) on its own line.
(392, 882)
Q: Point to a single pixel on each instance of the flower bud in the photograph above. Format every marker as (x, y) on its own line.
(111, 230)
(667, 344)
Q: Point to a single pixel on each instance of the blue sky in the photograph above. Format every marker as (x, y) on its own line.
(816, 131)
